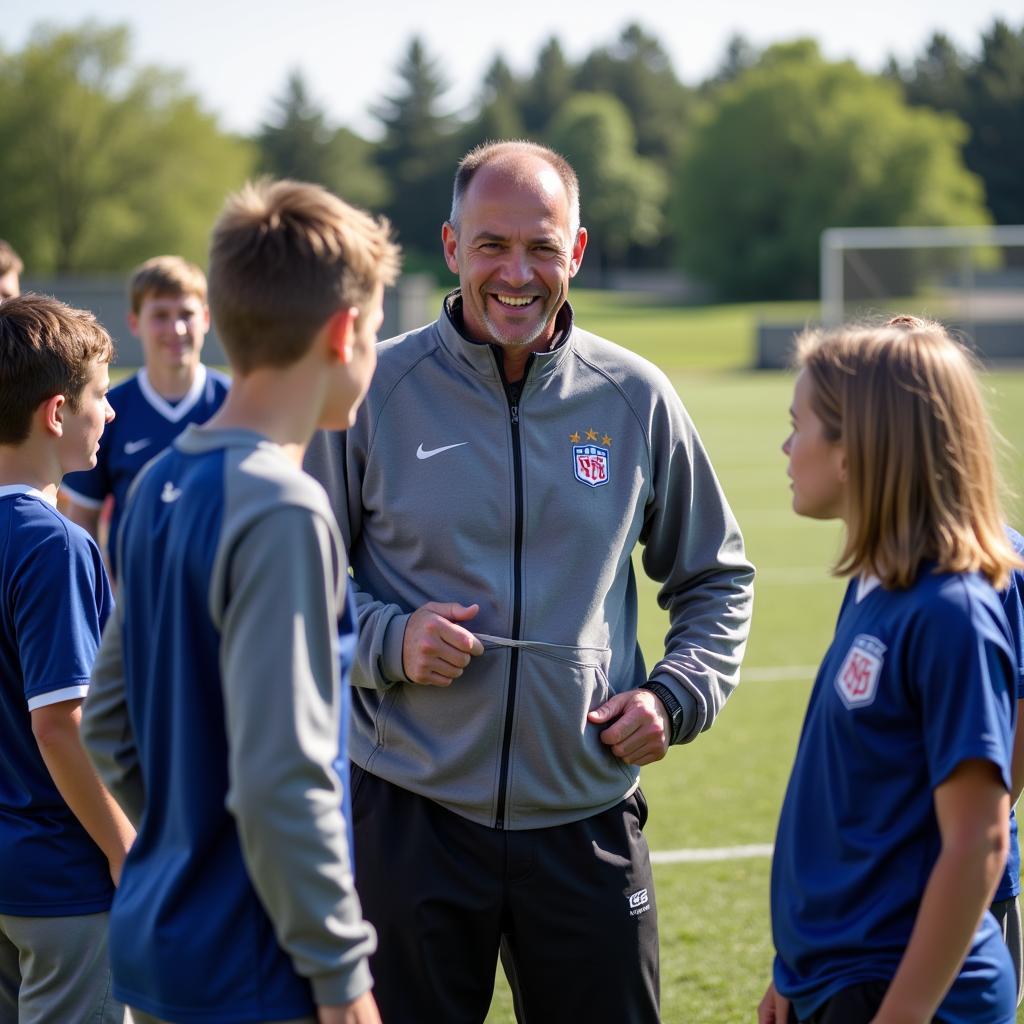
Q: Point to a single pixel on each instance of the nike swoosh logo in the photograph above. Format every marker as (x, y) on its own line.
(131, 447)
(170, 492)
(422, 453)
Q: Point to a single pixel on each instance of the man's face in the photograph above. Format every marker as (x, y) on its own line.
(172, 329)
(514, 253)
(10, 286)
(82, 428)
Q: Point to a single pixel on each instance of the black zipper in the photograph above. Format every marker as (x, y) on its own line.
(514, 393)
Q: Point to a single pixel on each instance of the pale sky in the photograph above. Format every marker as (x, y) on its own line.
(236, 54)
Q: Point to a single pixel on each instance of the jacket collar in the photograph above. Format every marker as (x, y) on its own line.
(482, 358)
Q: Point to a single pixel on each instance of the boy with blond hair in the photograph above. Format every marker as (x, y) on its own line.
(170, 317)
(219, 715)
(62, 837)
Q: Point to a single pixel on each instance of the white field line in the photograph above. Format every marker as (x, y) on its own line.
(711, 853)
(779, 674)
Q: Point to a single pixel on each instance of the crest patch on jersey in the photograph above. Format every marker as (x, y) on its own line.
(590, 463)
(857, 679)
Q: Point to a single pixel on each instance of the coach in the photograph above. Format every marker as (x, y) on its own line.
(501, 472)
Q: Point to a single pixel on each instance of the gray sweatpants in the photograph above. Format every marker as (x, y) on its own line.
(54, 970)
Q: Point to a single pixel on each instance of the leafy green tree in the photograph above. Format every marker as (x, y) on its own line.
(798, 144)
(638, 72)
(622, 194)
(298, 142)
(104, 163)
(418, 154)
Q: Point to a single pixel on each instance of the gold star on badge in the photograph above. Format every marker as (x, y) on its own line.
(591, 435)
(606, 439)
(575, 437)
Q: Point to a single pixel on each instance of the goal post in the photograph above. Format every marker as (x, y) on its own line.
(962, 275)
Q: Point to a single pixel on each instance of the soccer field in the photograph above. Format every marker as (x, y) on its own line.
(725, 789)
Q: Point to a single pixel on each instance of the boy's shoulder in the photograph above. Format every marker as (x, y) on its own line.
(37, 534)
(256, 476)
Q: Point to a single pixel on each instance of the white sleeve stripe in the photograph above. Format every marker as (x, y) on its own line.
(43, 700)
(81, 498)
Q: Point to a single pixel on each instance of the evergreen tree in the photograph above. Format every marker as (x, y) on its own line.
(994, 112)
(418, 154)
(298, 142)
(637, 71)
(547, 89)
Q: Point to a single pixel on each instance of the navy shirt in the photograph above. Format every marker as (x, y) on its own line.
(56, 599)
(1013, 605)
(915, 682)
(145, 424)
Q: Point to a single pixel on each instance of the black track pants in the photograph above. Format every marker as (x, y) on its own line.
(571, 908)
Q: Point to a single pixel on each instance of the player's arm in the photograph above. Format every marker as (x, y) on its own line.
(692, 546)
(280, 682)
(1017, 758)
(106, 728)
(56, 731)
(972, 807)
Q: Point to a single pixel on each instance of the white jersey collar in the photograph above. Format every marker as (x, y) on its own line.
(8, 489)
(865, 584)
(178, 411)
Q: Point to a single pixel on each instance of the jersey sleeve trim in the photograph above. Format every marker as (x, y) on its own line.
(43, 700)
(80, 498)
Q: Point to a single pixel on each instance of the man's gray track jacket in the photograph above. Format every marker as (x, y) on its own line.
(448, 490)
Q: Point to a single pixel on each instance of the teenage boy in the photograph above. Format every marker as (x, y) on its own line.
(62, 837)
(170, 318)
(10, 272)
(220, 702)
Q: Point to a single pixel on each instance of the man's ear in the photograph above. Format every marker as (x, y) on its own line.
(576, 257)
(450, 241)
(133, 323)
(51, 414)
(341, 333)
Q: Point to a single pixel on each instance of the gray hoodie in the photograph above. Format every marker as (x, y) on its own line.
(453, 487)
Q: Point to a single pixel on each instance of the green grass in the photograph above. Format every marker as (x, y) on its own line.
(726, 788)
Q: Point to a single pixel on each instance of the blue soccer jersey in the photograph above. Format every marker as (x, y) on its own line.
(56, 599)
(227, 668)
(145, 424)
(915, 682)
(1013, 605)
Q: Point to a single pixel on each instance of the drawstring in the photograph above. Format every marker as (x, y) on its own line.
(503, 641)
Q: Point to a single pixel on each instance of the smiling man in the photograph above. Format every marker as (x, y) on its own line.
(170, 318)
(491, 493)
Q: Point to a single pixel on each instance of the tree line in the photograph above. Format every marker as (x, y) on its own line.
(104, 162)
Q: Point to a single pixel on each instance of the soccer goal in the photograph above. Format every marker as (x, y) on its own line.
(971, 278)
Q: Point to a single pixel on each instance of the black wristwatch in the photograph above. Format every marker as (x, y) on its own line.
(673, 708)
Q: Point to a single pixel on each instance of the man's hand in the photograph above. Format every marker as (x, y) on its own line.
(362, 1010)
(640, 729)
(774, 1009)
(435, 650)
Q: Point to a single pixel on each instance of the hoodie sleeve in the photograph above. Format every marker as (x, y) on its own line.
(694, 549)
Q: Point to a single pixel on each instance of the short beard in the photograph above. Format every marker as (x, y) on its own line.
(499, 339)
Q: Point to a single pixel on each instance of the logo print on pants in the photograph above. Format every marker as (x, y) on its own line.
(590, 464)
(857, 680)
